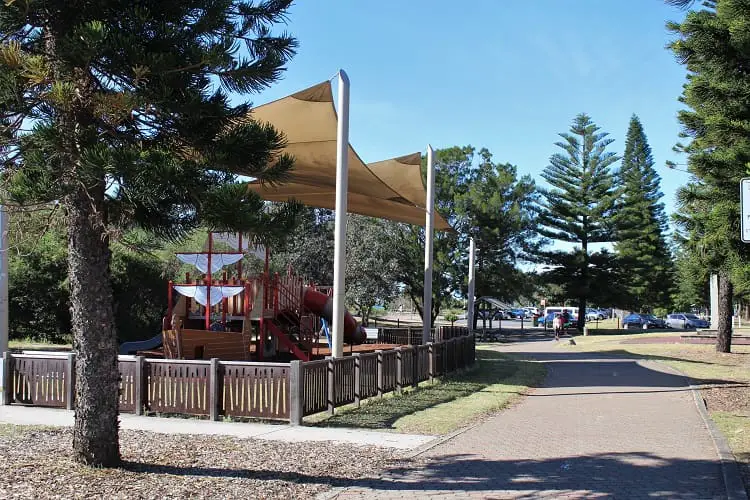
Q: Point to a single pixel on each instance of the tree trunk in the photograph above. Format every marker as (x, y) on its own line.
(95, 434)
(724, 334)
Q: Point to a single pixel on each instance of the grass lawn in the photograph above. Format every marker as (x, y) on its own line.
(724, 380)
(456, 401)
(31, 345)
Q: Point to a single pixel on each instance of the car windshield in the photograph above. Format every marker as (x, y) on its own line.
(691, 316)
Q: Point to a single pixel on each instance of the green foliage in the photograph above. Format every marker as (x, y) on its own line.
(484, 200)
(371, 263)
(38, 294)
(713, 44)
(309, 247)
(580, 208)
(642, 248)
(140, 293)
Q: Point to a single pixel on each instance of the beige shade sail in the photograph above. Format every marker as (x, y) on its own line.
(390, 189)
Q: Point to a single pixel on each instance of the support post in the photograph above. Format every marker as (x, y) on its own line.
(428, 235)
(379, 376)
(472, 286)
(342, 188)
(170, 285)
(714, 292)
(3, 287)
(415, 367)
(431, 362)
(214, 387)
(209, 281)
(7, 380)
(357, 379)
(296, 390)
(70, 382)
(399, 370)
(331, 387)
(139, 385)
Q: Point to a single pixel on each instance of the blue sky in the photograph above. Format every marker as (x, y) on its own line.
(504, 75)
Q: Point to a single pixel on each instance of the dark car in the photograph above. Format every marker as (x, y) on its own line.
(643, 321)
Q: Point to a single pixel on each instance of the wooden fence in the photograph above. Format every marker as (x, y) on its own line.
(215, 388)
(413, 335)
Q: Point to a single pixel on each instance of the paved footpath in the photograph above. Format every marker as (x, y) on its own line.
(601, 427)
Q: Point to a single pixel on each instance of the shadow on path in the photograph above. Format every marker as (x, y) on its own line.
(619, 475)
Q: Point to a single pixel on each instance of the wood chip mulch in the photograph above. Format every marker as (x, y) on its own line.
(36, 463)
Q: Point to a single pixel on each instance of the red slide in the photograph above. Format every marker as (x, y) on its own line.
(322, 304)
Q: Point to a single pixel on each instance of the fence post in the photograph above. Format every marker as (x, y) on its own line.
(431, 362)
(380, 373)
(357, 379)
(70, 379)
(213, 395)
(139, 386)
(7, 380)
(399, 370)
(296, 392)
(331, 382)
(415, 367)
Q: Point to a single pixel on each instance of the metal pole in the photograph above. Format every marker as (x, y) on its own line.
(470, 303)
(342, 187)
(208, 281)
(428, 235)
(714, 302)
(3, 296)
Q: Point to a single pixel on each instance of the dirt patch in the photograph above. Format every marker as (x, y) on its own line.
(36, 463)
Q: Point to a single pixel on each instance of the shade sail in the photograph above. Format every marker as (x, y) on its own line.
(390, 189)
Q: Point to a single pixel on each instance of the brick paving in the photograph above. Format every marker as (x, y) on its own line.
(601, 427)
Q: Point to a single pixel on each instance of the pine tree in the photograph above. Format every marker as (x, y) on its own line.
(642, 248)
(579, 208)
(713, 44)
(120, 110)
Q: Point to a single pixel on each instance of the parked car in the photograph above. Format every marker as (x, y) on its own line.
(551, 316)
(685, 320)
(643, 321)
(594, 314)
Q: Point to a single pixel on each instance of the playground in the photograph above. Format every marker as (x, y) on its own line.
(269, 345)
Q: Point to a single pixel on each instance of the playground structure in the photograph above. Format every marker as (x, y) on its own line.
(267, 316)
(246, 317)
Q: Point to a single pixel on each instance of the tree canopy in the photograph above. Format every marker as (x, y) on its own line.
(121, 112)
(716, 140)
(645, 259)
(579, 208)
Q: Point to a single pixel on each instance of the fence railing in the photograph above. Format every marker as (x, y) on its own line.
(413, 335)
(215, 388)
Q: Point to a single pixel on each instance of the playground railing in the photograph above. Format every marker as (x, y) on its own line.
(216, 389)
(413, 335)
(326, 384)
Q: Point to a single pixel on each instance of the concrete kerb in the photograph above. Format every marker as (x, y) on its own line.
(733, 484)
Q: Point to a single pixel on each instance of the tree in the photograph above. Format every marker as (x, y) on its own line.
(371, 264)
(579, 208)
(309, 248)
(120, 111)
(481, 199)
(642, 248)
(717, 57)
(451, 165)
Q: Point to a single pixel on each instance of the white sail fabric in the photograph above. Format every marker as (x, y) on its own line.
(199, 292)
(218, 260)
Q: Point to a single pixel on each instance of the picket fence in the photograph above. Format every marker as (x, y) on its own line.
(216, 389)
